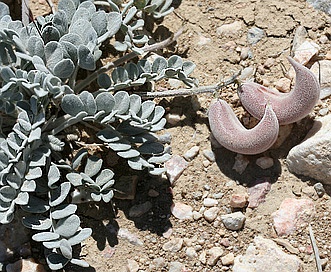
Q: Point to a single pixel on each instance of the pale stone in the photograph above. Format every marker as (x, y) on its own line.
(124, 233)
(233, 221)
(284, 132)
(213, 255)
(211, 214)
(240, 163)
(258, 191)
(174, 245)
(254, 35)
(132, 266)
(140, 209)
(173, 119)
(175, 167)
(197, 215)
(265, 255)
(306, 51)
(238, 200)
(191, 253)
(311, 158)
(182, 211)
(209, 202)
(203, 257)
(209, 154)
(247, 73)
(283, 85)
(265, 162)
(25, 265)
(229, 30)
(228, 259)
(322, 70)
(191, 153)
(286, 220)
(176, 267)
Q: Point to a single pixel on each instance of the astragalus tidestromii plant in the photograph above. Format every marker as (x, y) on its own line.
(42, 94)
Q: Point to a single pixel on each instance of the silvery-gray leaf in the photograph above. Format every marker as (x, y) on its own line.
(158, 126)
(96, 197)
(14, 180)
(78, 262)
(120, 46)
(52, 244)
(137, 24)
(75, 179)
(55, 143)
(72, 104)
(39, 120)
(175, 62)
(4, 206)
(165, 5)
(6, 73)
(60, 21)
(135, 103)
(109, 135)
(128, 154)
(106, 197)
(34, 173)
(159, 64)
(188, 67)
(170, 72)
(140, 39)
(45, 236)
(35, 135)
(105, 101)
(56, 261)
(157, 171)
(28, 186)
(136, 163)
(66, 249)
(37, 159)
(3, 160)
(93, 166)
(114, 22)
(64, 68)
(119, 75)
(81, 13)
(104, 81)
(89, 102)
(63, 211)
(58, 195)
(85, 58)
(105, 176)
(37, 222)
(80, 236)
(159, 159)
(72, 38)
(144, 66)
(151, 148)
(68, 226)
(120, 146)
(39, 64)
(53, 175)
(7, 193)
(4, 10)
(78, 158)
(53, 53)
(132, 70)
(99, 22)
(143, 138)
(122, 102)
(137, 50)
(8, 151)
(22, 198)
(68, 6)
(69, 50)
(150, 8)
(36, 46)
(157, 114)
(89, 6)
(36, 205)
(147, 107)
(158, 15)
(50, 33)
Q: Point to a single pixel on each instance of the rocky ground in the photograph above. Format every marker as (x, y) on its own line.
(217, 210)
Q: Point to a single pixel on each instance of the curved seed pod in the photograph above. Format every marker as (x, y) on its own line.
(289, 107)
(231, 134)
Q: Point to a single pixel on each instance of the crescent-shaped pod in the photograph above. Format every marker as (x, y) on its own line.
(231, 134)
(289, 107)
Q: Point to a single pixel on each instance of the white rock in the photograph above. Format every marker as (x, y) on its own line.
(175, 167)
(191, 153)
(209, 154)
(228, 259)
(25, 265)
(229, 29)
(306, 51)
(197, 215)
(182, 211)
(209, 202)
(191, 253)
(173, 118)
(176, 267)
(213, 255)
(312, 157)
(233, 221)
(247, 73)
(132, 266)
(265, 162)
(283, 85)
(211, 214)
(265, 255)
(240, 163)
(174, 245)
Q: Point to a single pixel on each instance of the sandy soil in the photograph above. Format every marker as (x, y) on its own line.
(217, 57)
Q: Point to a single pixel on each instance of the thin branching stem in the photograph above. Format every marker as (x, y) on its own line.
(315, 248)
(191, 91)
(51, 5)
(148, 48)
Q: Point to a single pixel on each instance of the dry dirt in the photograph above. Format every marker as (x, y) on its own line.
(216, 57)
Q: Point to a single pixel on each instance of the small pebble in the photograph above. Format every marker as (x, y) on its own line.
(182, 211)
(175, 167)
(211, 214)
(174, 245)
(323, 111)
(205, 163)
(218, 195)
(191, 253)
(140, 209)
(319, 188)
(254, 35)
(269, 63)
(283, 85)
(153, 193)
(238, 200)
(213, 255)
(228, 259)
(209, 154)
(209, 202)
(173, 119)
(265, 162)
(247, 73)
(240, 163)
(192, 153)
(176, 267)
(233, 221)
(132, 266)
(196, 215)
(165, 138)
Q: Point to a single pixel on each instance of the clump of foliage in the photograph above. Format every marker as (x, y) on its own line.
(41, 94)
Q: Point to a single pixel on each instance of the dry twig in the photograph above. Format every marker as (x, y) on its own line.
(315, 248)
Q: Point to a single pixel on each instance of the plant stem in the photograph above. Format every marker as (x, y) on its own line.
(148, 48)
(51, 5)
(191, 91)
